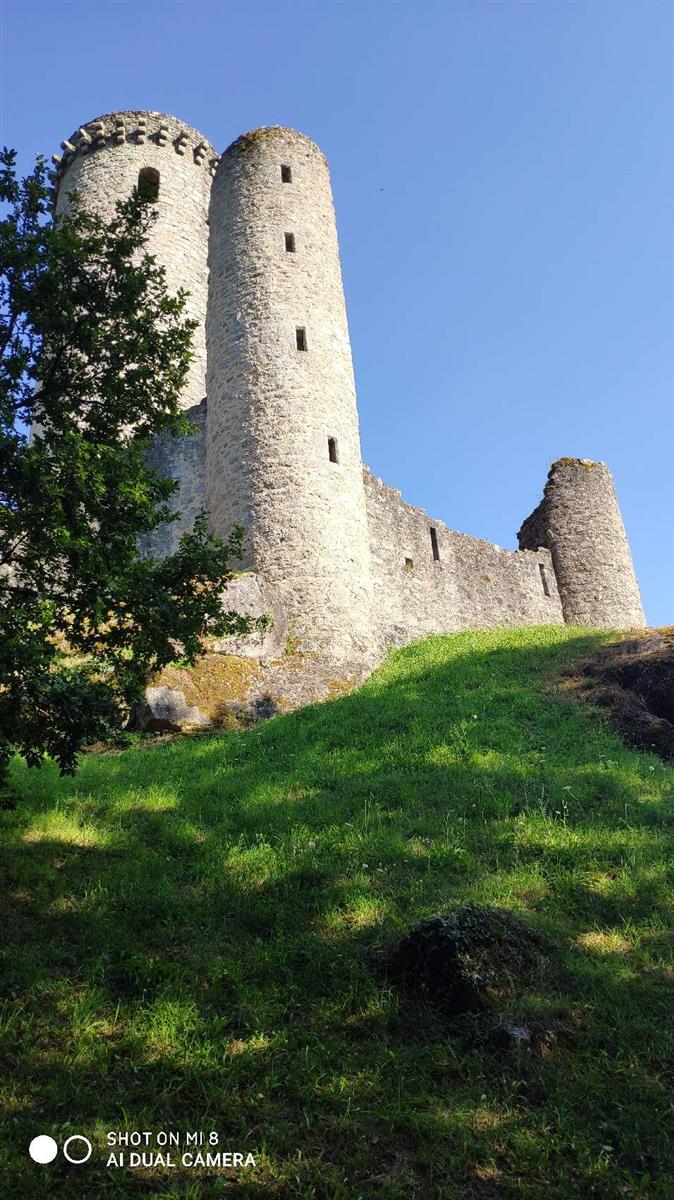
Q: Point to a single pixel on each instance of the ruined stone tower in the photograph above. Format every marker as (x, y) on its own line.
(579, 521)
(345, 564)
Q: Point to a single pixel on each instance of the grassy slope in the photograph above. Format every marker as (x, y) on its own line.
(191, 930)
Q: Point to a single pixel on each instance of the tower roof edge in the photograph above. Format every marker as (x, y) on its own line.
(268, 133)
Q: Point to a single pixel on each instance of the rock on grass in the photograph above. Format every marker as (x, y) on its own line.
(468, 959)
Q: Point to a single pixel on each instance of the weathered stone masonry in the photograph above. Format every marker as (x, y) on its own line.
(273, 405)
(424, 584)
(579, 521)
(352, 568)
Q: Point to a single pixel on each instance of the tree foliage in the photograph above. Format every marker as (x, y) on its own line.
(94, 355)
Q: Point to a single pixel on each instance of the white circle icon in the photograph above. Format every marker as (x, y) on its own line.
(77, 1137)
(43, 1149)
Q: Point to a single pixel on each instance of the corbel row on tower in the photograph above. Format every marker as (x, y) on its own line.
(117, 131)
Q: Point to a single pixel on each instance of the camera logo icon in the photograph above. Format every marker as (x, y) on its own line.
(76, 1149)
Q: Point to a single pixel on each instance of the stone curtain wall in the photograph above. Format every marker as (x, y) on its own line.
(182, 459)
(101, 162)
(473, 585)
(272, 407)
(579, 520)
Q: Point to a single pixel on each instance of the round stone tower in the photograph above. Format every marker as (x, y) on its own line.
(106, 158)
(579, 521)
(284, 455)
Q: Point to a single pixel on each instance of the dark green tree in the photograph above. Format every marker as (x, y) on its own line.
(94, 354)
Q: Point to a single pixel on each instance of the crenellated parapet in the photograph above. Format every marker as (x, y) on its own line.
(135, 128)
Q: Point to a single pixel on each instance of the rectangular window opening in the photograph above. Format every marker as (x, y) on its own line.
(409, 564)
(544, 579)
(286, 174)
(332, 450)
(301, 338)
(434, 545)
(290, 242)
(148, 183)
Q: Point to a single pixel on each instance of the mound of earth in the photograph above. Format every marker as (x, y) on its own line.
(633, 679)
(467, 958)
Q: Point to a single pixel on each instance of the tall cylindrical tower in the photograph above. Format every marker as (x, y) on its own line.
(579, 521)
(284, 454)
(106, 158)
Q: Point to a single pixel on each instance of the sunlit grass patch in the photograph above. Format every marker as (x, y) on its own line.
(606, 941)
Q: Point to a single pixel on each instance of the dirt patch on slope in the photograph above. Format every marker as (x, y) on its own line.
(633, 680)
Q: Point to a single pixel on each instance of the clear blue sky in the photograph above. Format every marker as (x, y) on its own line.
(503, 180)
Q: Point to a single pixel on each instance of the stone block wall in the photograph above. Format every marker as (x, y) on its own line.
(471, 585)
(182, 459)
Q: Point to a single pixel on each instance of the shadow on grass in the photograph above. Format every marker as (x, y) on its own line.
(190, 934)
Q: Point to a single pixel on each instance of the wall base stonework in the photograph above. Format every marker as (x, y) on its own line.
(249, 596)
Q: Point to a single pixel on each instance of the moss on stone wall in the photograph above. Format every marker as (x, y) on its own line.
(215, 680)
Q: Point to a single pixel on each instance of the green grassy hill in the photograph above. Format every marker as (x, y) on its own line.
(191, 933)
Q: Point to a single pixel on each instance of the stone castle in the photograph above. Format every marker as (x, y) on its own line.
(346, 566)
